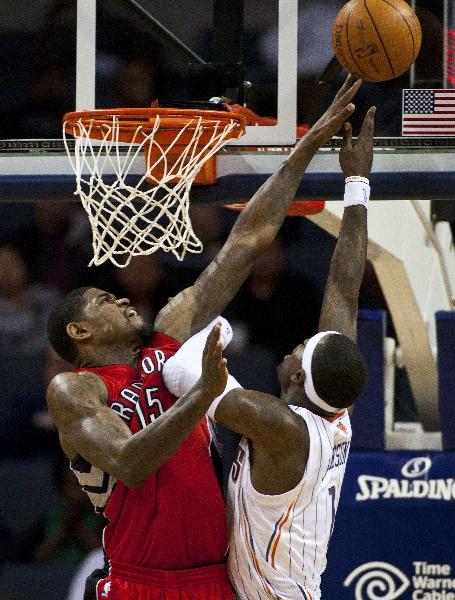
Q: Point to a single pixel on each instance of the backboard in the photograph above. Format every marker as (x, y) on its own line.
(275, 57)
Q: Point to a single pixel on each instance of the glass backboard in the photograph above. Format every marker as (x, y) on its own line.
(274, 57)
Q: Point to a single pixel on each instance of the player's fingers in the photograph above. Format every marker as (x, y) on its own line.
(347, 135)
(336, 123)
(348, 110)
(349, 82)
(351, 92)
(212, 339)
(216, 343)
(214, 335)
(217, 353)
(346, 85)
(367, 129)
(218, 350)
(344, 114)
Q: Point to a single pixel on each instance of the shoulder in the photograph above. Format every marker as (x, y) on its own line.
(286, 430)
(69, 392)
(297, 430)
(160, 341)
(279, 462)
(71, 382)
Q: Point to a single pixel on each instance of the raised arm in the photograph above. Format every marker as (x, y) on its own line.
(341, 295)
(253, 231)
(87, 426)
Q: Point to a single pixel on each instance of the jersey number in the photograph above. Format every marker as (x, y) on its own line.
(154, 404)
(332, 492)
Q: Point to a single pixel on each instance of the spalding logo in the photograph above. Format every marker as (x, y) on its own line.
(416, 467)
(377, 580)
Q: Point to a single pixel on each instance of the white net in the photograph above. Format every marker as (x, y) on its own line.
(136, 215)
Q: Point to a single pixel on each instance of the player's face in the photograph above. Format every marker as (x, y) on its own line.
(113, 318)
(290, 365)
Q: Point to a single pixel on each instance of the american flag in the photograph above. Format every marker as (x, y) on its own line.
(428, 113)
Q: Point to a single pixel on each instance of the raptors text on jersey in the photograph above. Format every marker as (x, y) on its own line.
(176, 518)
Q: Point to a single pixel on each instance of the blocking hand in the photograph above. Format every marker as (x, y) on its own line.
(214, 370)
(356, 156)
(337, 113)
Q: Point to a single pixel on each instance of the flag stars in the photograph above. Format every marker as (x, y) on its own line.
(419, 101)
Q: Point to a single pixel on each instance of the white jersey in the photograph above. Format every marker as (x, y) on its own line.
(278, 544)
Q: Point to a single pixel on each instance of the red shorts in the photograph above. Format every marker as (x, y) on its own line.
(128, 582)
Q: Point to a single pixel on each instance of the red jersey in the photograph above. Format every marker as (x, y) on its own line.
(176, 518)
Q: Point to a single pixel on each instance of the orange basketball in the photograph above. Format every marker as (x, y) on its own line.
(376, 40)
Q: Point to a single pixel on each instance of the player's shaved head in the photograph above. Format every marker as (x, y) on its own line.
(68, 310)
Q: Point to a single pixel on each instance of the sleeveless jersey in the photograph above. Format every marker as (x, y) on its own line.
(278, 544)
(176, 519)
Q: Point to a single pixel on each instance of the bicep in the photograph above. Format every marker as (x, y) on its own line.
(86, 425)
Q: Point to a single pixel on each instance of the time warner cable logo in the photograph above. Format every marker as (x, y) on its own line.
(383, 581)
(414, 484)
(377, 580)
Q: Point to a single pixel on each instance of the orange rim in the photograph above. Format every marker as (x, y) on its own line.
(298, 208)
(172, 121)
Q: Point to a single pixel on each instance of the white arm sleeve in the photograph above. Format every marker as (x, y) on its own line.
(182, 370)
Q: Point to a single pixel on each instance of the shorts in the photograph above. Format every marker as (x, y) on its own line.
(128, 582)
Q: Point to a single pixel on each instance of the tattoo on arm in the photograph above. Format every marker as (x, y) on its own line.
(87, 426)
(254, 230)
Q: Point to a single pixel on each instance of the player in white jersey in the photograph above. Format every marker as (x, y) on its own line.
(285, 483)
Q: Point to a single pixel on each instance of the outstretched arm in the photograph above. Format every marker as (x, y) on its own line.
(254, 230)
(341, 295)
(87, 426)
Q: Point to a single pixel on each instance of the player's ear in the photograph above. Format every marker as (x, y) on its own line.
(78, 331)
(298, 377)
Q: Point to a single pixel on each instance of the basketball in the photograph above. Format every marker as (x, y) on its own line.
(376, 40)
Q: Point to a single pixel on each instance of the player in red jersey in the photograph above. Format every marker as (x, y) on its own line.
(152, 477)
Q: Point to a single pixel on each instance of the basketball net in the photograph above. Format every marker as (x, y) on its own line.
(137, 215)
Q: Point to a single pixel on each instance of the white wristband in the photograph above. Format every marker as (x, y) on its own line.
(357, 191)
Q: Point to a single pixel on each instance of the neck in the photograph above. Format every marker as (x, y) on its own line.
(111, 355)
(299, 398)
